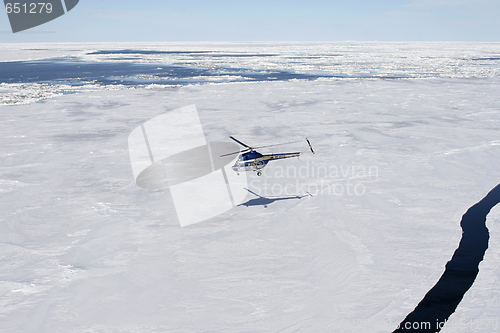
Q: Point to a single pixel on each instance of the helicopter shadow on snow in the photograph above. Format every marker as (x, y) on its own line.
(263, 201)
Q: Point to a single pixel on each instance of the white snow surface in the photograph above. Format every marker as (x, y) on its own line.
(83, 249)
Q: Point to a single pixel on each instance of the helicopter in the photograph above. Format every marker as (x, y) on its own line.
(251, 160)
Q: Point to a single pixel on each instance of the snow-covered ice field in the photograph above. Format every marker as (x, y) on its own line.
(397, 163)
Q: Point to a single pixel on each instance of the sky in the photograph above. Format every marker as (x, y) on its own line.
(267, 20)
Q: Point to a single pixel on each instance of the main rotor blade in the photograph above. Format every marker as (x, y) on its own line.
(236, 152)
(278, 144)
(241, 143)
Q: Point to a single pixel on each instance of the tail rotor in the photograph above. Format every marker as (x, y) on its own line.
(312, 151)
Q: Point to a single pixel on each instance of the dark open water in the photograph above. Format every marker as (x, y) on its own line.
(78, 72)
(121, 70)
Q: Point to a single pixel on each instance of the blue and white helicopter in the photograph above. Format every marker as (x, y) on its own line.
(252, 160)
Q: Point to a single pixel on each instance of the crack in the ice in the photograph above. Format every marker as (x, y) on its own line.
(441, 301)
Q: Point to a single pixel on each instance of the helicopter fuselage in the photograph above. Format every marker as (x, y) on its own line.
(255, 161)
(251, 160)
